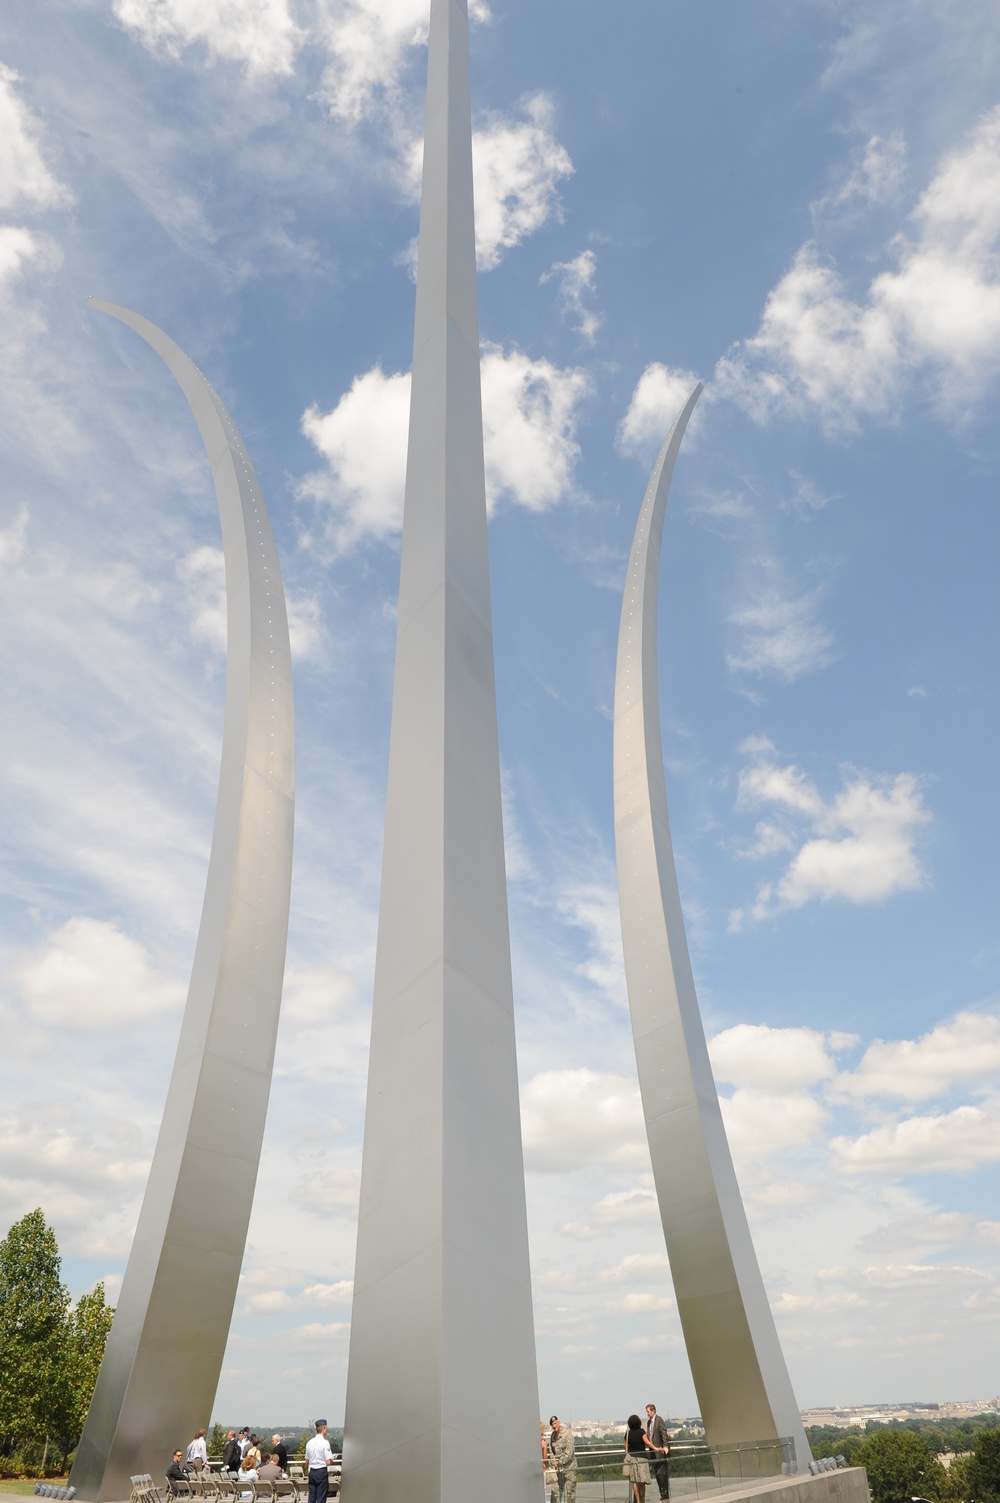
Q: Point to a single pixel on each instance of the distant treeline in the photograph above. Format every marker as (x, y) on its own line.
(295, 1437)
(942, 1436)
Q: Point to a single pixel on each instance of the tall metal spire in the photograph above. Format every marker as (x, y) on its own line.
(164, 1354)
(442, 1390)
(736, 1360)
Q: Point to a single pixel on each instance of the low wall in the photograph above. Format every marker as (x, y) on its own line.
(845, 1485)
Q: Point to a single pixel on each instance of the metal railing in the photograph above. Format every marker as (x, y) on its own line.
(695, 1471)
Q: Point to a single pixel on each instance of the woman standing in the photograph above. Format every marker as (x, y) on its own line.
(636, 1467)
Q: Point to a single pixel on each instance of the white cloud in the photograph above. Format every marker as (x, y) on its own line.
(13, 539)
(965, 1052)
(368, 42)
(88, 974)
(529, 423)
(860, 846)
(317, 1332)
(877, 176)
(953, 1142)
(576, 286)
(25, 178)
(327, 1296)
(781, 635)
(517, 165)
(775, 1059)
(572, 1118)
(529, 420)
(594, 909)
(260, 34)
(363, 440)
(332, 1192)
(204, 571)
(637, 1267)
(78, 1169)
(937, 312)
(659, 395)
(269, 1302)
(762, 1123)
(637, 1205)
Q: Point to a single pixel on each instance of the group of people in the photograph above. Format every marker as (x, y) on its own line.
(241, 1457)
(646, 1457)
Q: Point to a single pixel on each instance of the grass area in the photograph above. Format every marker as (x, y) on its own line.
(25, 1487)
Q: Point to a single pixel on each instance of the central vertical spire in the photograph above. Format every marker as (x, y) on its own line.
(442, 1390)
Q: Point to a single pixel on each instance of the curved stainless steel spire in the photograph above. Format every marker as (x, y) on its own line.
(164, 1353)
(736, 1360)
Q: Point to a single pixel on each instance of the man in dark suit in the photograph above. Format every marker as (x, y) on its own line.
(281, 1450)
(231, 1453)
(656, 1430)
(177, 1475)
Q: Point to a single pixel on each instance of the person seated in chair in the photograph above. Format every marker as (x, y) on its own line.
(177, 1475)
(270, 1470)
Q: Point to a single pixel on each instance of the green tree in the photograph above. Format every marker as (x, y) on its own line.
(33, 1308)
(984, 1467)
(900, 1466)
(957, 1481)
(217, 1441)
(86, 1333)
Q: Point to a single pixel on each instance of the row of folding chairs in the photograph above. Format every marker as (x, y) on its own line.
(225, 1487)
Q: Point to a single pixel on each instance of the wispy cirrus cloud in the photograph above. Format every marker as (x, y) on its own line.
(260, 34)
(576, 282)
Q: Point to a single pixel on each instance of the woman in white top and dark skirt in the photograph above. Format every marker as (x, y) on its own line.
(636, 1467)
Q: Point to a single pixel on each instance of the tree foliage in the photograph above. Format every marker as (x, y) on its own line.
(984, 1467)
(34, 1304)
(50, 1350)
(900, 1466)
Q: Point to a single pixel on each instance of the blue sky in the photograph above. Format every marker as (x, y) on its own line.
(799, 205)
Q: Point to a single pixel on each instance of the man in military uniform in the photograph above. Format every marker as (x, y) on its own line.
(562, 1455)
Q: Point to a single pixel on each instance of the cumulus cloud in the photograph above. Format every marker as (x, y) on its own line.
(951, 1142)
(529, 420)
(363, 440)
(752, 1054)
(576, 286)
(781, 635)
(859, 847)
(761, 1123)
(26, 181)
(572, 1118)
(965, 1051)
(260, 34)
(936, 313)
(659, 395)
(517, 166)
(89, 975)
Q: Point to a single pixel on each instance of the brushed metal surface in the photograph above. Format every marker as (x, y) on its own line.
(739, 1371)
(442, 1391)
(164, 1353)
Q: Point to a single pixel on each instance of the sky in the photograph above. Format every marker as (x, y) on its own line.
(796, 203)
